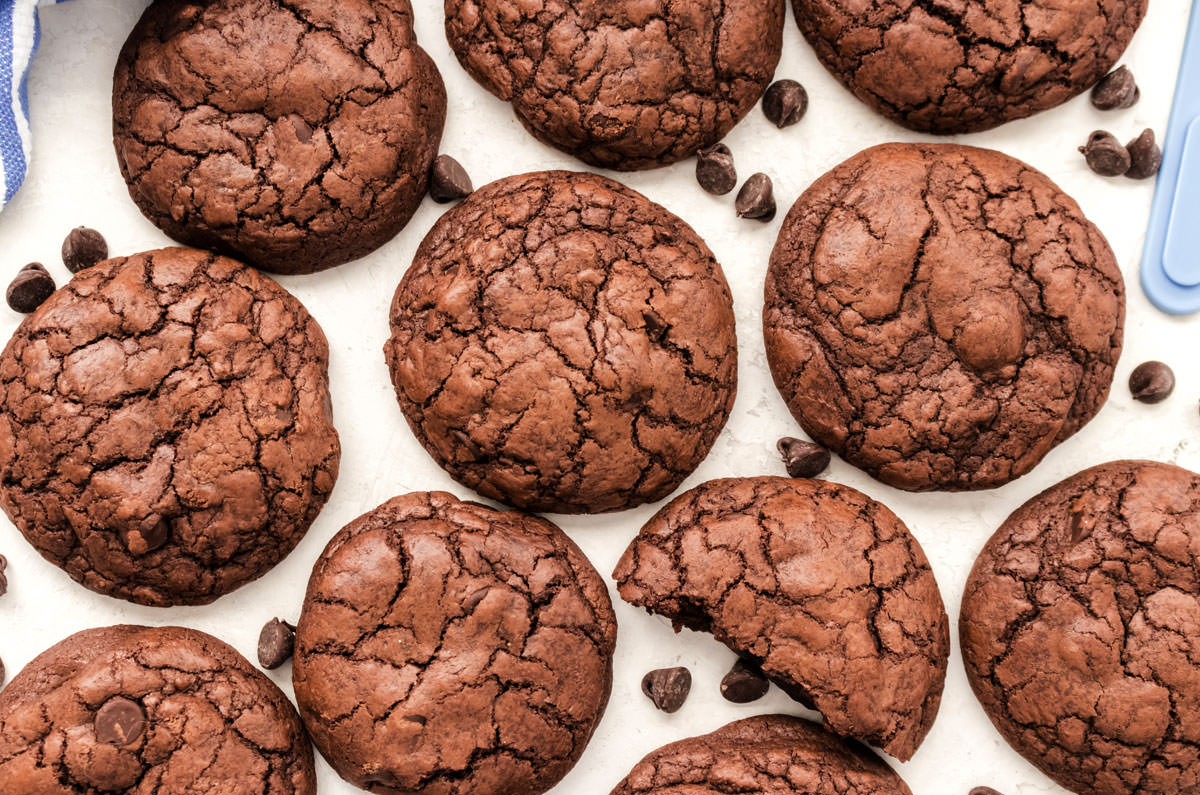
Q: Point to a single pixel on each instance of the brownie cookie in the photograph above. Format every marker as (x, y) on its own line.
(449, 648)
(294, 136)
(622, 84)
(941, 316)
(561, 343)
(764, 755)
(165, 427)
(969, 65)
(1079, 626)
(155, 710)
(816, 583)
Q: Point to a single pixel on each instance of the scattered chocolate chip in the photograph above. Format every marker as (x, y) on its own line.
(1, 673)
(667, 687)
(785, 103)
(802, 459)
(3, 576)
(1116, 90)
(743, 684)
(31, 286)
(1151, 382)
(715, 171)
(448, 180)
(1105, 155)
(83, 248)
(275, 643)
(756, 199)
(983, 791)
(1144, 155)
(120, 721)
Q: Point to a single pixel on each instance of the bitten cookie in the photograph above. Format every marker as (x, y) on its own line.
(1079, 630)
(165, 426)
(941, 316)
(820, 585)
(970, 65)
(561, 343)
(162, 710)
(294, 136)
(765, 755)
(622, 84)
(449, 648)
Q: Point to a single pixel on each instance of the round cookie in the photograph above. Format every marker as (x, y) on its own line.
(941, 316)
(165, 426)
(814, 582)
(561, 343)
(971, 65)
(1079, 626)
(163, 710)
(622, 84)
(766, 755)
(295, 137)
(449, 648)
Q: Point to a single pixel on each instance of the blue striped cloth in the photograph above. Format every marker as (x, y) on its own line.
(19, 35)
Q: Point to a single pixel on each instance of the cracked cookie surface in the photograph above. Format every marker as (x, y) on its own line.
(204, 720)
(621, 84)
(941, 316)
(448, 648)
(763, 755)
(294, 134)
(165, 428)
(967, 65)
(818, 584)
(1079, 629)
(561, 343)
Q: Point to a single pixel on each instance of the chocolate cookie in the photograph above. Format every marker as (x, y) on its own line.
(816, 583)
(446, 647)
(295, 136)
(941, 316)
(622, 84)
(1078, 630)
(968, 65)
(561, 343)
(764, 755)
(165, 428)
(162, 710)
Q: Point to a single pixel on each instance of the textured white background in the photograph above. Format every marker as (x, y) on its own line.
(74, 180)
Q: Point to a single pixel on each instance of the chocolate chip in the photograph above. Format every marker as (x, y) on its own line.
(1144, 155)
(1151, 382)
(715, 171)
(275, 643)
(303, 131)
(1116, 90)
(756, 199)
(744, 683)
(802, 459)
(83, 248)
(983, 791)
(31, 286)
(120, 721)
(1, 673)
(656, 326)
(3, 576)
(448, 180)
(1105, 155)
(784, 103)
(146, 538)
(667, 687)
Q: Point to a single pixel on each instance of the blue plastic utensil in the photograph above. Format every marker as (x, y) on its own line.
(1171, 259)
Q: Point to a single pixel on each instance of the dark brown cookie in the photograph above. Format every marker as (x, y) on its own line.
(561, 343)
(155, 710)
(622, 84)
(941, 316)
(968, 65)
(821, 586)
(294, 136)
(165, 427)
(1079, 626)
(764, 755)
(449, 648)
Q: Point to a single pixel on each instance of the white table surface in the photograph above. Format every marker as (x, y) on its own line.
(74, 180)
